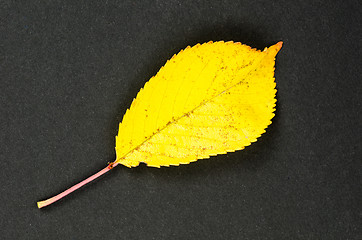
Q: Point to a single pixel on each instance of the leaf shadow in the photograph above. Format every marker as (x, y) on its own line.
(252, 157)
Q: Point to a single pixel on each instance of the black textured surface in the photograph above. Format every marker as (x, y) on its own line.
(70, 69)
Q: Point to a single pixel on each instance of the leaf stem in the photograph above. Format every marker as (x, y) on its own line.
(75, 187)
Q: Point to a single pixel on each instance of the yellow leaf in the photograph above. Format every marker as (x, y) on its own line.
(209, 99)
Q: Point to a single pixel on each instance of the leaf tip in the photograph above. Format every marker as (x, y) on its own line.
(279, 45)
(274, 49)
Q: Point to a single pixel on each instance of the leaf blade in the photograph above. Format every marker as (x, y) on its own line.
(164, 113)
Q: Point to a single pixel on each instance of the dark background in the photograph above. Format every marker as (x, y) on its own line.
(69, 70)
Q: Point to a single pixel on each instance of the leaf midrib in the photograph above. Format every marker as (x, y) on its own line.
(189, 112)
